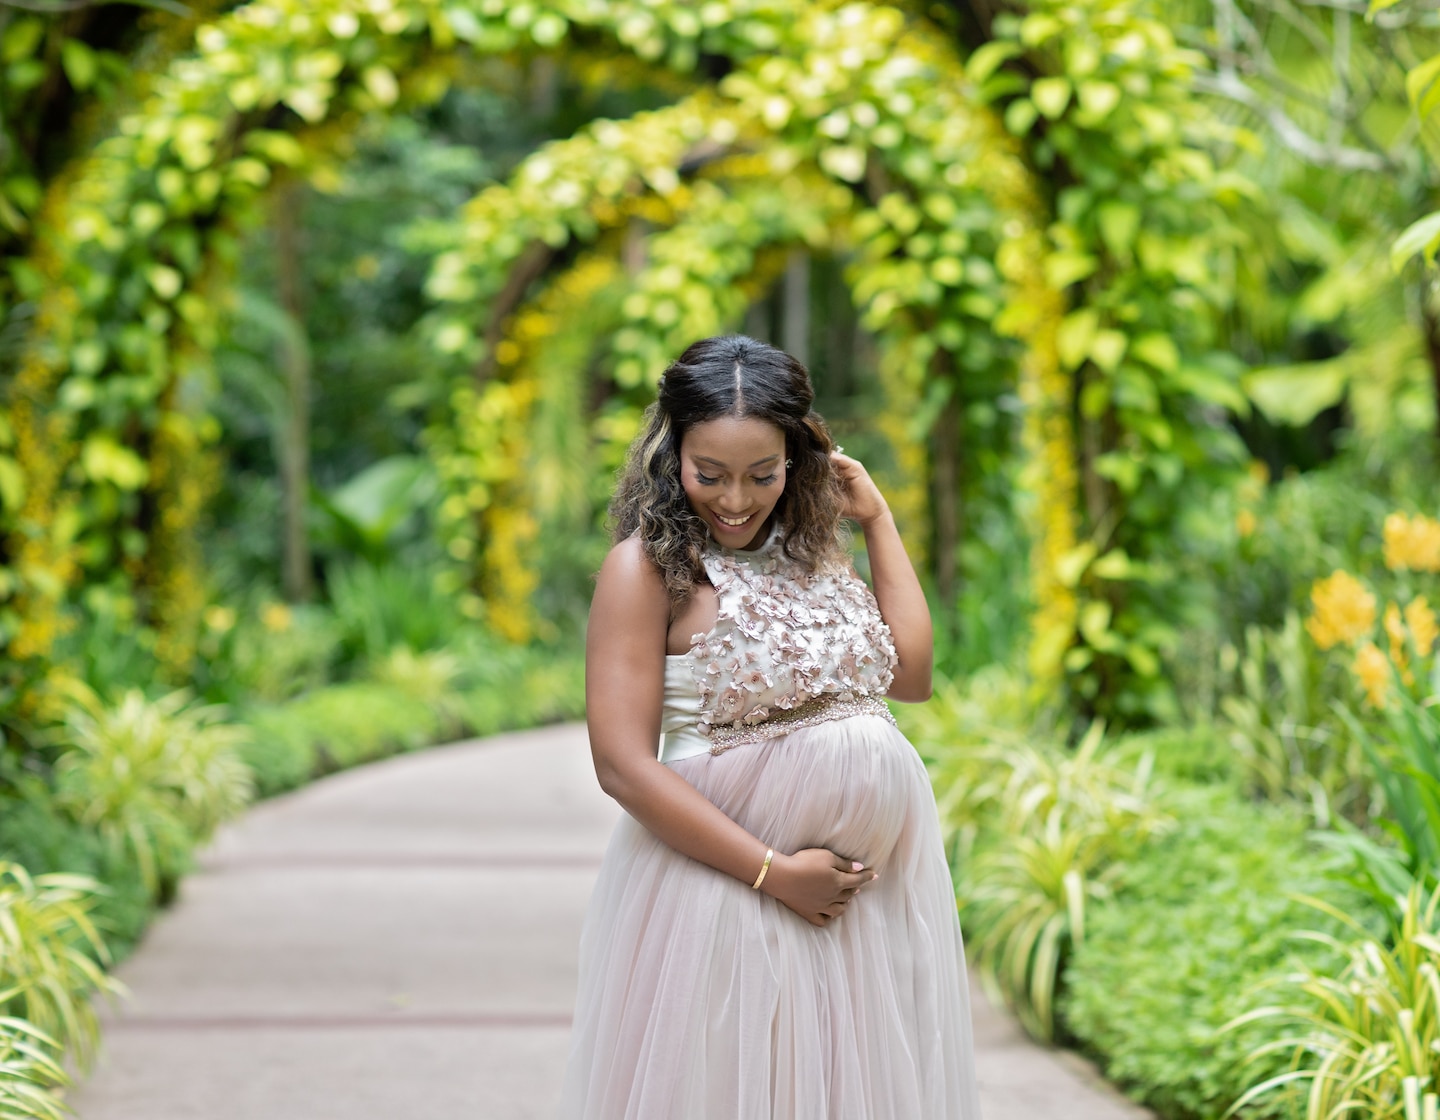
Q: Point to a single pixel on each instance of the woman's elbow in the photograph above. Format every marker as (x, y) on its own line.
(909, 690)
(620, 780)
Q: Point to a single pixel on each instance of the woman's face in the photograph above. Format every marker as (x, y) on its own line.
(733, 469)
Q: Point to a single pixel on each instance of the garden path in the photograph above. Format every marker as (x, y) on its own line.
(399, 942)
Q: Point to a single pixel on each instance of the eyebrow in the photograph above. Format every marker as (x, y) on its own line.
(718, 463)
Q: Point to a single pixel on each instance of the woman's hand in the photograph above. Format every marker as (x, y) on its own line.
(863, 501)
(816, 883)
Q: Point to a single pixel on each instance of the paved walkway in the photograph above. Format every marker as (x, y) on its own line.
(398, 942)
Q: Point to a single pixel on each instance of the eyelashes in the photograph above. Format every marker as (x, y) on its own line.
(706, 480)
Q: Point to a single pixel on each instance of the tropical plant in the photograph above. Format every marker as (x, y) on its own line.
(1281, 723)
(51, 955)
(1199, 929)
(1039, 834)
(1364, 1041)
(431, 678)
(30, 1073)
(380, 606)
(153, 777)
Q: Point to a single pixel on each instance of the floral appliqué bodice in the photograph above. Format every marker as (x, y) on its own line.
(787, 645)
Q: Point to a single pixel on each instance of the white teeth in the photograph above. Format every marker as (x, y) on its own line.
(732, 522)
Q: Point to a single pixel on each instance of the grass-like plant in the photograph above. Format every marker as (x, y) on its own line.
(152, 777)
(51, 955)
(30, 1074)
(1039, 834)
(1405, 761)
(1286, 736)
(1364, 1042)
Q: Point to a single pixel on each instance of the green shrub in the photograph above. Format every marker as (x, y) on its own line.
(334, 728)
(30, 1073)
(412, 700)
(1202, 917)
(1365, 1039)
(152, 777)
(379, 607)
(265, 651)
(1043, 833)
(51, 956)
(1280, 720)
(38, 836)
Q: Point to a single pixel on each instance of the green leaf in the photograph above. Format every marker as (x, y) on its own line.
(1421, 238)
(1068, 267)
(1296, 394)
(79, 63)
(21, 39)
(1119, 222)
(1020, 114)
(1108, 348)
(104, 460)
(989, 58)
(1051, 96)
(12, 484)
(1423, 86)
(1097, 99)
(1075, 335)
(1157, 350)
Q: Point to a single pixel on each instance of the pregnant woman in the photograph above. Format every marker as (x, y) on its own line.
(773, 935)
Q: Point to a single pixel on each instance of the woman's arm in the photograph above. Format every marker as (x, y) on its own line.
(624, 690)
(896, 587)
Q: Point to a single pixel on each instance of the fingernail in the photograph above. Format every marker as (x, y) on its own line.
(874, 876)
(856, 865)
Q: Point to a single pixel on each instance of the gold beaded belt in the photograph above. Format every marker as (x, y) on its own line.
(822, 709)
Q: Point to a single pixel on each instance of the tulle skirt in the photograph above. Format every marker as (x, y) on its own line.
(701, 999)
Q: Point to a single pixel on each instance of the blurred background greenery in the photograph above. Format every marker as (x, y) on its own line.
(324, 326)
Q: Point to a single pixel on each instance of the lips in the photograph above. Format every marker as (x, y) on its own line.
(733, 523)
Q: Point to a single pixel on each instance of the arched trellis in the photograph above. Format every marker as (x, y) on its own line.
(139, 232)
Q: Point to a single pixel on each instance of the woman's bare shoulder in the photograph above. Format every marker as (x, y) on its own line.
(630, 575)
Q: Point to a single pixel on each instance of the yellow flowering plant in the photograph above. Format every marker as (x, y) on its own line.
(1392, 657)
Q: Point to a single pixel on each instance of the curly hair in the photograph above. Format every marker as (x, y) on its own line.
(728, 376)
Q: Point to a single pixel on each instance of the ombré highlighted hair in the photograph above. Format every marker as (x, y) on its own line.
(729, 376)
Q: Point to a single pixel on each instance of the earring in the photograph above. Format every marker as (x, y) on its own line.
(789, 462)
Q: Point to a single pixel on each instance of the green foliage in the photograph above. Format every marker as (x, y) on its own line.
(1365, 1038)
(1041, 835)
(30, 1075)
(153, 778)
(36, 834)
(377, 608)
(264, 651)
(1405, 764)
(1202, 923)
(51, 955)
(1281, 722)
(412, 700)
(1144, 226)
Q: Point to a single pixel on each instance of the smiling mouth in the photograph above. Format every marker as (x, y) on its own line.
(733, 522)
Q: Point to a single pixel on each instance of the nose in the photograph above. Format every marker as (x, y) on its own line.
(733, 499)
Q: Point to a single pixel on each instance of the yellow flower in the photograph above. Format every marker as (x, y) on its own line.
(220, 619)
(1373, 669)
(1344, 610)
(1245, 522)
(1423, 627)
(1412, 542)
(1395, 631)
(275, 617)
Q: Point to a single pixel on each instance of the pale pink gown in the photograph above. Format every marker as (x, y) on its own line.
(701, 999)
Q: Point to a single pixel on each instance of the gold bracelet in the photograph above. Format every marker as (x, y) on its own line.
(764, 869)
